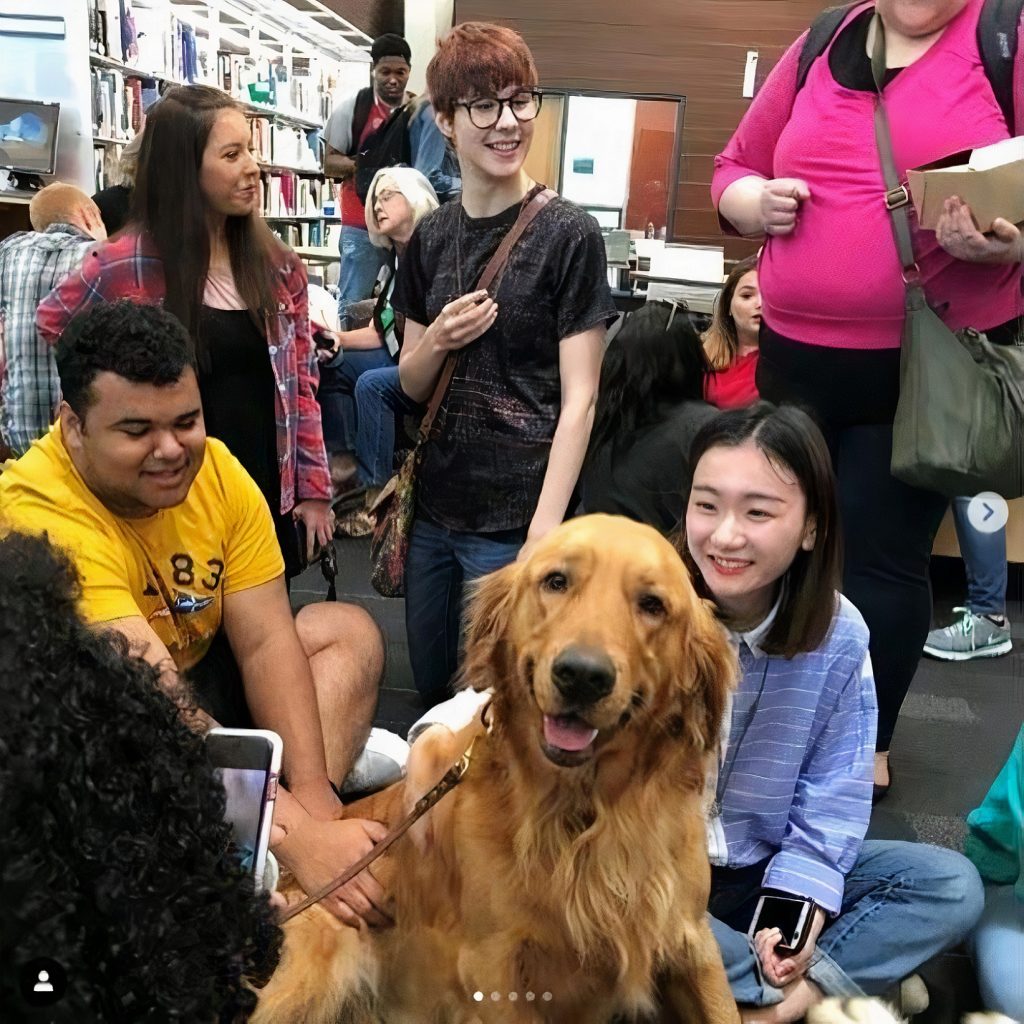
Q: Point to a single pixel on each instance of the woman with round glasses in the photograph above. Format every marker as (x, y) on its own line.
(513, 429)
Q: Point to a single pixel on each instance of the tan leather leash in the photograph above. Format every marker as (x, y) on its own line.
(451, 779)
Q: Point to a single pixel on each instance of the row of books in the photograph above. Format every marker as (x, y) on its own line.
(303, 92)
(283, 194)
(119, 103)
(282, 144)
(313, 233)
(145, 34)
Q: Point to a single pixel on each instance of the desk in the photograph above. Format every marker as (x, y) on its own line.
(14, 213)
(699, 295)
(323, 254)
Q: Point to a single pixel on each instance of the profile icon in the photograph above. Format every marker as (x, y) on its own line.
(43, 981)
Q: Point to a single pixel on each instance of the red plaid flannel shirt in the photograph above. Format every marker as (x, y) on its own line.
(128, 267)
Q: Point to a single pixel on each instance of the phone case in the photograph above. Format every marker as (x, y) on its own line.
(270, 794)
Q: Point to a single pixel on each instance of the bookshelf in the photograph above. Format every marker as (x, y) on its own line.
(283, 61)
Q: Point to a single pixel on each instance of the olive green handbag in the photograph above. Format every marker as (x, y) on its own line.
(959, 426)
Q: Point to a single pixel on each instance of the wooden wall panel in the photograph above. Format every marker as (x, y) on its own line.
(691, 48)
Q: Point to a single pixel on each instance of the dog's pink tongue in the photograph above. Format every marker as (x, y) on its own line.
(567, 732)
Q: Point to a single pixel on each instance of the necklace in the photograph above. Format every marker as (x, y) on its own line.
(733, 749)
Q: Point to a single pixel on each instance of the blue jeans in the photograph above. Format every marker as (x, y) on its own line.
(337, 394)
(999, 952)
(379, 398)
(361, 261)
(984, 557)
(903, 904)
(439, 564)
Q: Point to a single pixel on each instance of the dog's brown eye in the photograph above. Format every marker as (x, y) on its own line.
(651, 604)
(556, 582)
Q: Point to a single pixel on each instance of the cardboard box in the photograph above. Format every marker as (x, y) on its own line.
(990, 180)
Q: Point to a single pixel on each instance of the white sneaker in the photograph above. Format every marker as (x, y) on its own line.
(379, 764)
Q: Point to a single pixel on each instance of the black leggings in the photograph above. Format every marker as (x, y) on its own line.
(888, 527)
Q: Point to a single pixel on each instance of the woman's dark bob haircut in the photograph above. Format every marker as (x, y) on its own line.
(793, 444)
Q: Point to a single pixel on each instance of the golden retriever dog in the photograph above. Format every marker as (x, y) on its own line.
(565, 880)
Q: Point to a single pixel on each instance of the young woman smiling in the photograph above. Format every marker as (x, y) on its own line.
(731, 342)
(792, 797)
(195, 241)
(513, 430)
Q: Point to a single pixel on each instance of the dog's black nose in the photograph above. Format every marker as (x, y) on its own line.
(583, 675)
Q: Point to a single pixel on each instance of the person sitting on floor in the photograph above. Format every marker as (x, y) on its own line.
(793, 786)
(176, 549)
(363, 418)
(995, 844)
(65, 223)
(731, 342)
(649, 409)
(112, 832)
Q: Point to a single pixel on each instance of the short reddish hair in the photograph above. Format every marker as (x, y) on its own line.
(478, 59)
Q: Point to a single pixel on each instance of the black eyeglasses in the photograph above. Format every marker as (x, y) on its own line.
(486, 112)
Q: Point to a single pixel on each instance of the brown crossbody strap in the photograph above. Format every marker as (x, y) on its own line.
(492, 273)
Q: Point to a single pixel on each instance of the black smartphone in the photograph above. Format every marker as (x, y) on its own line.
(247, 763)
(792, 916)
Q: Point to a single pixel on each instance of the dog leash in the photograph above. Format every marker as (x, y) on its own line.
(450, 780)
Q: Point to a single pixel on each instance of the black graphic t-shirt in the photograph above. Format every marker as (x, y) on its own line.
(484, 471)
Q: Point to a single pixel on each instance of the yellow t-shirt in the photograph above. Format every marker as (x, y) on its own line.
(173, 568)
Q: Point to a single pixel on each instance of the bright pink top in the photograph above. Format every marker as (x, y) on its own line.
(836, 280)
(733, 387)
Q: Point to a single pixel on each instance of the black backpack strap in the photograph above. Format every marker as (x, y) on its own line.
(819, 35)
(998, 28)
(360, 115)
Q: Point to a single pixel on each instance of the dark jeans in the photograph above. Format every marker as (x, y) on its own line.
(336, 394)
(379, 399)
(888, 527)
(438, 566)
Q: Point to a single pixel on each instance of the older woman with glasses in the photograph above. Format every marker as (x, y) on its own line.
(356, 413)
(513, 429)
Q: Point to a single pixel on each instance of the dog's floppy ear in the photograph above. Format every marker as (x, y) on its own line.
(714, 674)
(487, 619)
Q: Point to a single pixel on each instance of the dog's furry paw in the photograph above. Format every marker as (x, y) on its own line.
(852, 1011)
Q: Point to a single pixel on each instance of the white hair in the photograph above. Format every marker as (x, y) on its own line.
(419, 194)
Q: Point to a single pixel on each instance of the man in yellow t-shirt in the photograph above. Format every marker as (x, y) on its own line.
(176, 550)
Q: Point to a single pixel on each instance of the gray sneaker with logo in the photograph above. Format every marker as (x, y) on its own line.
(970, 636)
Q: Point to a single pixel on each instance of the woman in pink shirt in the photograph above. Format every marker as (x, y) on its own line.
(731, 342)
(803, 170)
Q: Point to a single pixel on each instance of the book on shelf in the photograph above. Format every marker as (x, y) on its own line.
(106, 162)
(119, 103)
(286, 194)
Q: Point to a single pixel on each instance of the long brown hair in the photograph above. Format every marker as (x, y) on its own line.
(169, 207)
(721, 341)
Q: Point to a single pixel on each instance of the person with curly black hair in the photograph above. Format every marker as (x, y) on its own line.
(112, 832)
(176, 550)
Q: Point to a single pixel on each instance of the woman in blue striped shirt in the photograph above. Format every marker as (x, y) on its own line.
(794, 785)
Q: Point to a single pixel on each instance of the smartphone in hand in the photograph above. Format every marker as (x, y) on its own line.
(791, 915)
(248, 762)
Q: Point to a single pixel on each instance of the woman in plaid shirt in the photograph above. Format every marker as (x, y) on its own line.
(196, 243)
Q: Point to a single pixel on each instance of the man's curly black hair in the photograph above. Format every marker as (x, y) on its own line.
(144, 344)
(112, 833)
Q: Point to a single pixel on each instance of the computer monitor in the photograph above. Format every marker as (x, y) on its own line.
(28, 136)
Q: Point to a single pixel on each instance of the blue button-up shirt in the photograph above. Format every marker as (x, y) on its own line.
(796, 774)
